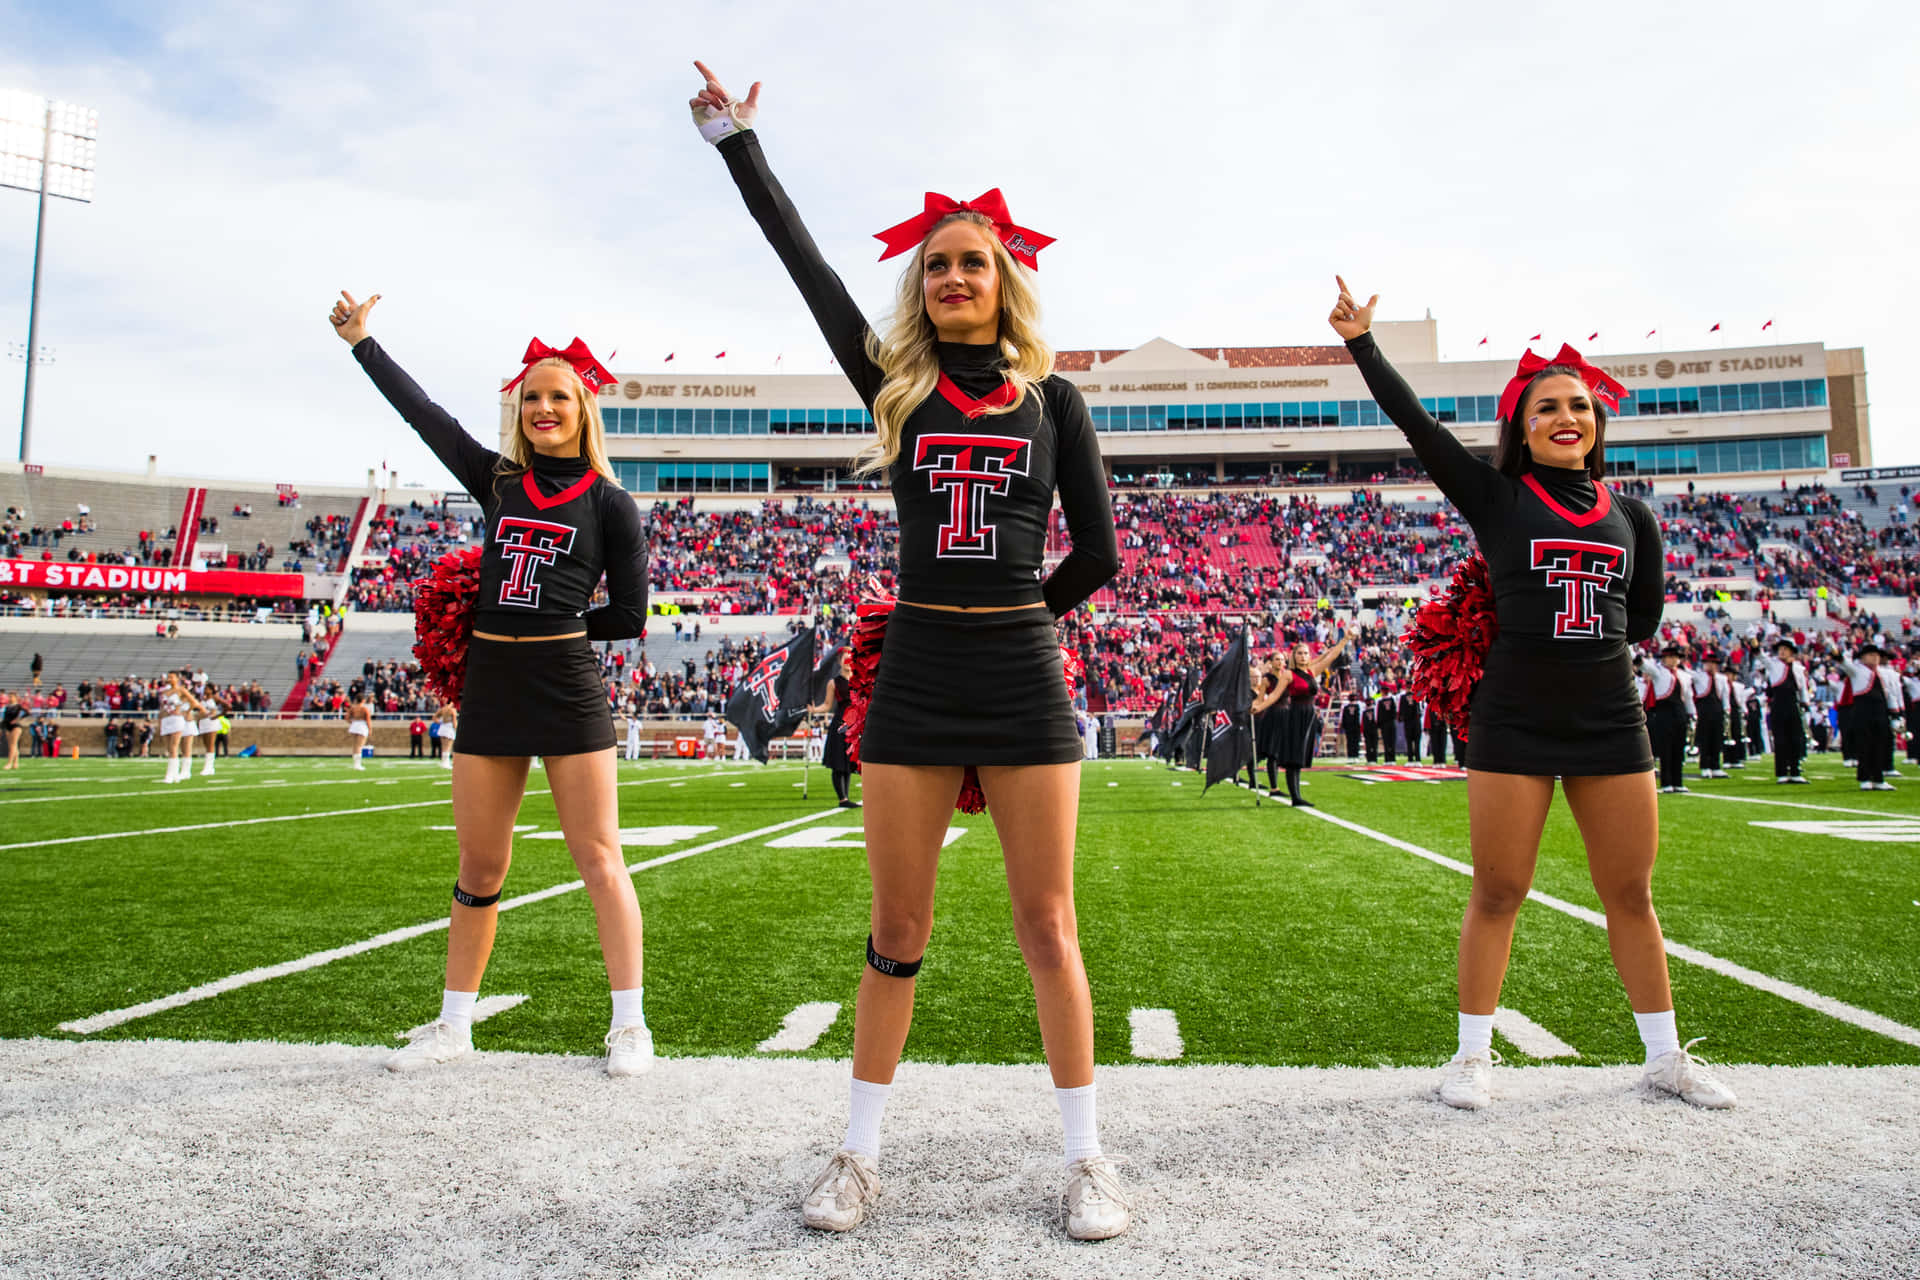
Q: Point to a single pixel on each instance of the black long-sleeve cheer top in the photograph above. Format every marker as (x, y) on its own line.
(1571, 561)
(551, 530)
(973, 489)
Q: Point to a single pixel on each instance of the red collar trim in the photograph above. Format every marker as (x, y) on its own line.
(566, 495)
(998, 398)
(1602, 503)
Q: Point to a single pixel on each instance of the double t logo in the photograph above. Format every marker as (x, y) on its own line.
(969, 468)
(761, 682)
(528, 544)
(1581, 570)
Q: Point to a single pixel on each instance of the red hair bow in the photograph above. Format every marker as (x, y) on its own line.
(1023, 244)
(1607, 389)
(591, 371)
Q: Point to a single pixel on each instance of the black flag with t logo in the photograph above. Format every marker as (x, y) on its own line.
(772, 701)
(1173, 741)
(1227, 695)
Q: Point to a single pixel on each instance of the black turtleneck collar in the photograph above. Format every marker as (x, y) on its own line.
(977, 368)
(1572, 487)
(546, 465)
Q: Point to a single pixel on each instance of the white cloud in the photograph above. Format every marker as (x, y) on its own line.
(1207, 169)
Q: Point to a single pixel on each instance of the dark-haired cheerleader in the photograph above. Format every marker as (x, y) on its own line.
(1577, 577)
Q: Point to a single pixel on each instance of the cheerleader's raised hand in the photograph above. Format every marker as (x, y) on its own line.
(350, 317)
(715, 112)
(1348, 318)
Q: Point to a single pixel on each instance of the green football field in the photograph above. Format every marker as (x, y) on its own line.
(298, 900)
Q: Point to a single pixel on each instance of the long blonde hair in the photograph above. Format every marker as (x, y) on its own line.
(909, 365)
(516, 452)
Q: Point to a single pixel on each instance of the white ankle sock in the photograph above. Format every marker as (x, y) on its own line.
(1476, 1035)
(626, 1009)
(1077, 1117)
(868, 1102)
(456, 1008)
(1657, 1032)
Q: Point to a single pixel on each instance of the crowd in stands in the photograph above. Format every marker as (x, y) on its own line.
(401, 548)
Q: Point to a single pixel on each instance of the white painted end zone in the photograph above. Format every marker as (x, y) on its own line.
(1156, 1034)
(802, 1028)
(1529, 1037)
(1883, 831)
(483, 1008)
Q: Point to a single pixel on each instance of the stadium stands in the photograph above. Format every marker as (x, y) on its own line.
(231, 654)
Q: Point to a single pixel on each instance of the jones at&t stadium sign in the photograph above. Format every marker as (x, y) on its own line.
(152, 581)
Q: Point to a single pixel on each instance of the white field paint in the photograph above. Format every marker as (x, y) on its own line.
(483, 1008)
(802, 1028)
(640, 837)
(1836, 1009)
(285, 817)
(1885, 831)
(233, 982)
(525, 826)
(174, 790)
(1529, 1037)
(842, 838)
(1156, 1034)
(1792, 804)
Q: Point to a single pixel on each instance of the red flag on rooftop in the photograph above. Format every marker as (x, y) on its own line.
(1651, 332)
(1715, 329)
(1593, 335)
(669, 359)
(1483, 342)
(1535, 338)
(721, 356)
(1768, 325)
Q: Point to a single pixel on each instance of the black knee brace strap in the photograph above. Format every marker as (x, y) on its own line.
(466, 899)
(892, 968)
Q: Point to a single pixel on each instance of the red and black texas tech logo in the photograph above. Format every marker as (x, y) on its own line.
(762, 683)
(528, 544)
(1581, 570)
(969, 468)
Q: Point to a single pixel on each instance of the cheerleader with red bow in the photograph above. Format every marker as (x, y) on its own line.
(1576, 577)
(975, 434)
(506, 632)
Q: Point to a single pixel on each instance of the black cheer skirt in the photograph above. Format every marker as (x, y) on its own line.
(1296, 734)
(970, 689)
(533, 698)
(1546, 708)
(833, 754)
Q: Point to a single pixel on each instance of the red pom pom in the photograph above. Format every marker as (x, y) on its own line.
(443, 604)
(1448, 642)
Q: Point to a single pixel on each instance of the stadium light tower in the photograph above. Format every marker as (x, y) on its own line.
(45, 146)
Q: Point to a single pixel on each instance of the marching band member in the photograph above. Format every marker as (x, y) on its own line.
(1872, 716)
(1789, 695)
(1669, 703)
(1712, 695)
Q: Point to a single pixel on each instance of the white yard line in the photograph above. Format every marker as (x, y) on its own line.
(1795, 804)
(1156, 1034)
(802, 1028)
(286, 817)
(1843, 1012)
(1529, 1037)
(233, 982)
(175, 789)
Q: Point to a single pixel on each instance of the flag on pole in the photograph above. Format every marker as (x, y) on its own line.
(721, 356)
(669, 359)
(1535, 338)
(823, 666)
(1227, 696)
(1482, 342)
(1593, 336)
(1651, 332)
(772, 701)
(1187, 707)
(1715, 329)
(1768, 325)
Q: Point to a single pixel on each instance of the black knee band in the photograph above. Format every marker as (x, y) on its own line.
(892, 968)
(466, 899)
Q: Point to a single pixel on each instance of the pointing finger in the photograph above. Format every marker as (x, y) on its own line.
(753, 97)
(1371, 301)
(1342, 283)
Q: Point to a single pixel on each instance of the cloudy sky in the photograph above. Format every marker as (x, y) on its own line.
(1206, 167)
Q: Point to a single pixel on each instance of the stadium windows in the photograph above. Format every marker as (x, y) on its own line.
(1791, 396)
(758, 425)
(1816, 395)
(1156, 417)
(682, 422)
(1749, 455)
(1349, 413)
(1749, 396)
(1689, 399)
(1770, 395)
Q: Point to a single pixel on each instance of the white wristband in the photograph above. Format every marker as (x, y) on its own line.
(720, 126)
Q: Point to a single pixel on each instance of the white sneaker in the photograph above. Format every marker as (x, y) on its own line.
(1677, 1071)
(431, 1045)
(1892, 773)
(1468, 1083)
(1882, 786)
(839, 1197)
(629, 1051)
(1094, 1202)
